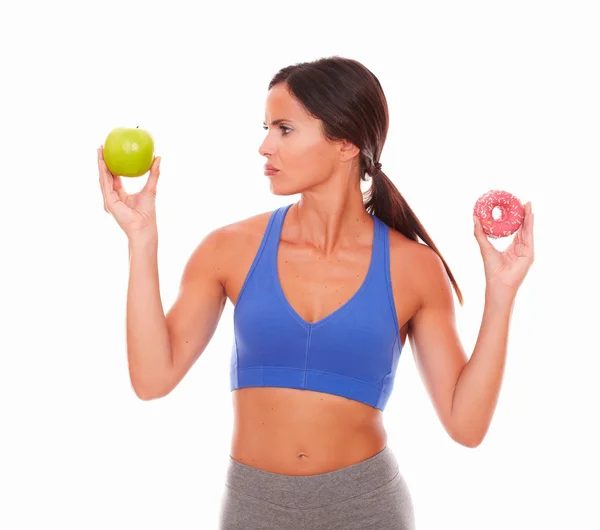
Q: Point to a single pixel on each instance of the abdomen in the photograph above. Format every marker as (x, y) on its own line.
(302, 432)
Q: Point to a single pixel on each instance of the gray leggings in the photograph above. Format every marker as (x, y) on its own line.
(371, 494)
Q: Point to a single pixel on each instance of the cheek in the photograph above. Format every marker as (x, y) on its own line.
(307, 155)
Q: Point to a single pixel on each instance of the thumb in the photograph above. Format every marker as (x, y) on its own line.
(150, 186)
(484, 243)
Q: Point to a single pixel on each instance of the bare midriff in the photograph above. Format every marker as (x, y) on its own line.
(302, 432)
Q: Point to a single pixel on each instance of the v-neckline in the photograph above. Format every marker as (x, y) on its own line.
(344, 306)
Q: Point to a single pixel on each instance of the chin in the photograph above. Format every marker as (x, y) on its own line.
(286, 188)
(283, 190)
(283, 193)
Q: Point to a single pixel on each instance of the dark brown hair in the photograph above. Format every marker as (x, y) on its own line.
(349, 100)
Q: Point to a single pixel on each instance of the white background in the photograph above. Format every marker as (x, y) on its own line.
(481, 95)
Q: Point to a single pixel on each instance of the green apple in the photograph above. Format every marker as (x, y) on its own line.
(129, 152)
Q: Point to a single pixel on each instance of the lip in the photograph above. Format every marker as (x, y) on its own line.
(270, 170)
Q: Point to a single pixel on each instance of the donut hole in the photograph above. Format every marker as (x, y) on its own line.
(496, 213)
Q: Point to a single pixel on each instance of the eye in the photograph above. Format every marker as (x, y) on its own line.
(282, 127)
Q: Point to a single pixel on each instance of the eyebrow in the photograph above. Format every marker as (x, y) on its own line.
(277, 122)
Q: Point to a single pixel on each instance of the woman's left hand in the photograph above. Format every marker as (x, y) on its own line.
(506, 270)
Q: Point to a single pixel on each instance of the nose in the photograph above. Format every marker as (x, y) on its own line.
(265, 148)
(262, 149)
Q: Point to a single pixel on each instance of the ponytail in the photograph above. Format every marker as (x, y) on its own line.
(386, 202)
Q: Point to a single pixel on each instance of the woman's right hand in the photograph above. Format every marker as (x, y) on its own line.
(134, 213)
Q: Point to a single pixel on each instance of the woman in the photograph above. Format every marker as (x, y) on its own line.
(326, 292)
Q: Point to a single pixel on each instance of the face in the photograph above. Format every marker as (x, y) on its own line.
(295, 145)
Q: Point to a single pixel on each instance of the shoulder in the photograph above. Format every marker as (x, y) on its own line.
(222, 247)
(419, 266)
(242, 232)
(413, 256)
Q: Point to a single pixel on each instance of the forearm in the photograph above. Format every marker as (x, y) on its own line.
(148, 346)
(478, 386)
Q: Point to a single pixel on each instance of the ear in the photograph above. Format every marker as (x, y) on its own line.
(348, 151)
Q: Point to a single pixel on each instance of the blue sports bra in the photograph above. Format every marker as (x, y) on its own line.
(353, 352)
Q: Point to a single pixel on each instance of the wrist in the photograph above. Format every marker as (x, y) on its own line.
(500, 295)
(146, 240)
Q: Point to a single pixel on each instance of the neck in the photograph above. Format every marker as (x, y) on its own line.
(330, 222)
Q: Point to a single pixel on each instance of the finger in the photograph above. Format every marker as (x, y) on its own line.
(101, 179)
(519, 234)
(106, 189)
(152, 182)
(118, 208)
(528, 228)
(103, 163)
(118, 187)
(516, 244)
(485, 244)
(117, 183)
(106, 180)
(114, 205)
(525, 221)
(113, 181)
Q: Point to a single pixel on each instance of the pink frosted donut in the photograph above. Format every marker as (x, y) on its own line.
(511, 209)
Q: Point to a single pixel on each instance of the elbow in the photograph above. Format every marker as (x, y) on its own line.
(146, 393)
(469, 441)
(471, 444)
(145, 396)
(150, 388)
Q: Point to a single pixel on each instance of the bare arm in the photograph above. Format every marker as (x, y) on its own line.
(478, 386)
(464, 391)
(436, 346)
(161, 349)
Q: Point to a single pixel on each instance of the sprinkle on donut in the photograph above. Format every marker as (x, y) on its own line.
(511, 213)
